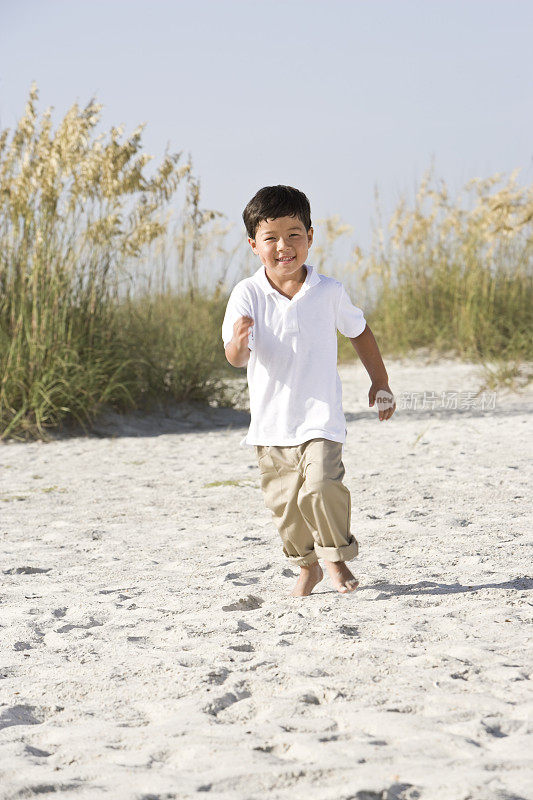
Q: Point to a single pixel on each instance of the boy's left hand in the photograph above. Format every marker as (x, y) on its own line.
(382, 394)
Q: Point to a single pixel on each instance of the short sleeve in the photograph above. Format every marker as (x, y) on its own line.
(350, 319)
(238, 306)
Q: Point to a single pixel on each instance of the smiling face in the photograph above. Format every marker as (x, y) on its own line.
(282, 244)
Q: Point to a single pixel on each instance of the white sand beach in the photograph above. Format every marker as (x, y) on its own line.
(151, 649)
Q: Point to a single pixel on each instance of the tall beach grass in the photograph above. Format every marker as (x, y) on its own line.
(454, 275)
(78, 330)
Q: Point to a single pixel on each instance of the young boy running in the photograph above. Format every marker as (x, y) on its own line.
(282, 324)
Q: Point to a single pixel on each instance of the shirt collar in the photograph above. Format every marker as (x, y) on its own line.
(312, 278)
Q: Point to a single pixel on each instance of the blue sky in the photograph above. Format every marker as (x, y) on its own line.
(331, 96)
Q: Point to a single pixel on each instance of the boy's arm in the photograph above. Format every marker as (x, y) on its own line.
(237, 350)
(367, 349)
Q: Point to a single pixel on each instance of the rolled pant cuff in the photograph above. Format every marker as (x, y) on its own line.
(345, 553)
(304, 561)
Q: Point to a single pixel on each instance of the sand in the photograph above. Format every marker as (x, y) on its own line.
(151, 649)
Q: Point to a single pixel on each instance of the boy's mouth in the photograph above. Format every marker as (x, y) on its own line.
(286, 260)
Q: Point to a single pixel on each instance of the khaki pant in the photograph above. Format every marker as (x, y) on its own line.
(302, 486)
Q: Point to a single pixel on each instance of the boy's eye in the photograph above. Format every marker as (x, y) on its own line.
(270, 238)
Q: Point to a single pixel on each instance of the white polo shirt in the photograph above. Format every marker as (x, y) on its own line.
(295, 389)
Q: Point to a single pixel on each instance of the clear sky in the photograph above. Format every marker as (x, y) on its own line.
(331, 96)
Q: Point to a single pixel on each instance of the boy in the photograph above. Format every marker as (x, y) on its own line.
(282, 324)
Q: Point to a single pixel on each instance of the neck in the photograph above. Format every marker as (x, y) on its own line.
(290, 286)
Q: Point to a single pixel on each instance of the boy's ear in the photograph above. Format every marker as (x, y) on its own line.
(251, 242)
(310, 237)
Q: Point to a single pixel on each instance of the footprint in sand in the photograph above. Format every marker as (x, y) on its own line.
(309, 699)
(93, 623)
(349, 630)
(238, 580)
(248, 603)
(227, 700)
(34, 751)
(19, 715)
(25, 570)
(49, 788)
(217, 676)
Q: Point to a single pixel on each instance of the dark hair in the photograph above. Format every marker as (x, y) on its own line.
(273, 202)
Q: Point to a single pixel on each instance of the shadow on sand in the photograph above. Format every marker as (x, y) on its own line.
(178, 419)
(388, 590)
(509, 410)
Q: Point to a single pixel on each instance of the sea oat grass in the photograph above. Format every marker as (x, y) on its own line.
(76, 211)
(174, 348)
(454, 276)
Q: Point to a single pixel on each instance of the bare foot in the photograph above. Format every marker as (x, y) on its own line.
(342, 578)
(307, 580)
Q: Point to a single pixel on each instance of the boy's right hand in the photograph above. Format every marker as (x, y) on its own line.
(241, 329)
(237, 351)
